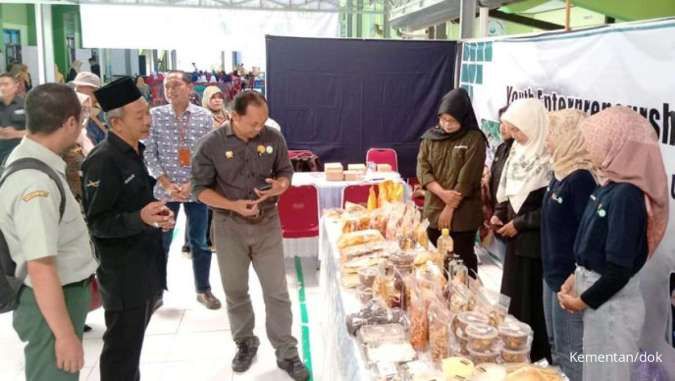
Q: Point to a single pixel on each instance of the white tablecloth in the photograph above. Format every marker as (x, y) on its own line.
(342, 359)
(330, 192)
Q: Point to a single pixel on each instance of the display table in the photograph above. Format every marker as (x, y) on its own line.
(330, 192)
(342, 359)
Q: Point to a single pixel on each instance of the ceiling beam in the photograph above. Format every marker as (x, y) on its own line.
(518, 19)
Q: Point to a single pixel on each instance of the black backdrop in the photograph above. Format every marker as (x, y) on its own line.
(340, 97)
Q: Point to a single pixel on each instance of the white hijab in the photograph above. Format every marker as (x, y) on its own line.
(528, 166)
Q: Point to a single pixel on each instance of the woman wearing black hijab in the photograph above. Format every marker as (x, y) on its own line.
(450, 166)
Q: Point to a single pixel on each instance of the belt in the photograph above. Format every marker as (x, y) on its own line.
(80, 283)
(249, 220)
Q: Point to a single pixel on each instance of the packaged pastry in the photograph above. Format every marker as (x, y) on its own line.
(489, 372)
(527, 373)
(463, 319)
(367, 276)
(391, 352)
(419, 328)
(457, 367)
(481, 336)
(515, 335)
(493, 304)
(359, 237)
(374, 312)
(481, 357)
(439, 330)
(460, 298)
(355, 221)
(403, 261)
(516, 356)
(381, 333)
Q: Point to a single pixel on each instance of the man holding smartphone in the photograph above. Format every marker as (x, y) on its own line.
(239, 170)
(126, 223)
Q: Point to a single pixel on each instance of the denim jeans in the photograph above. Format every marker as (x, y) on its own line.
(565, 334)
(196, 225)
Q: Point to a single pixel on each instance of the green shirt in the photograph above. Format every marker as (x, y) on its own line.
(29, 218)
(454, 165)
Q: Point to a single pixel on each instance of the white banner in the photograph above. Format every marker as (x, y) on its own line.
(626, 64)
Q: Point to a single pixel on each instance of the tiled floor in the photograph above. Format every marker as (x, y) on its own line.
(187, 342)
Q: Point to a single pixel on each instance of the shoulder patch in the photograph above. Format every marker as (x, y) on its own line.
(32, 195)
(93, 184)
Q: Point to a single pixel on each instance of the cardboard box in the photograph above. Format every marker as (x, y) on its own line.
(357, 167)
(332, 166)
(351, 175)
(334, 175)
(384, 168)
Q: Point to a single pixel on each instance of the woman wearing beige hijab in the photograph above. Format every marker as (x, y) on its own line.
(526, 174)
(622, 225)
(214, 101)
(564, 203)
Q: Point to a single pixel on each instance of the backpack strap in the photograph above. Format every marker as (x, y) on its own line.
(31, 163)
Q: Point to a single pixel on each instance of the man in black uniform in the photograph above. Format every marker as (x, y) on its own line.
(12, 115)
(126, 223)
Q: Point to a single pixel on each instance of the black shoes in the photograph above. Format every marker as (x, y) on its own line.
(246, 352)
(295, 368)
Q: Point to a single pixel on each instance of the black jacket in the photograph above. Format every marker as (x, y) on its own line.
(116, 186)
(527, 221)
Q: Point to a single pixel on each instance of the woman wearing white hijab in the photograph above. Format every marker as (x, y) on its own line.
(526, 174)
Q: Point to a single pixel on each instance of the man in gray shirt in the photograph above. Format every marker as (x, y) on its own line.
(240, 170)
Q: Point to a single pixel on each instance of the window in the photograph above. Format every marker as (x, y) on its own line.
(12, 41)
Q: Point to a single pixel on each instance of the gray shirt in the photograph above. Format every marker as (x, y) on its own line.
(233, 168)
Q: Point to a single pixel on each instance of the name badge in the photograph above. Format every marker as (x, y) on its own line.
(184, 156)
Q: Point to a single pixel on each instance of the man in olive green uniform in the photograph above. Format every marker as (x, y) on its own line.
(239, 170)
(450, 166)
(50, 247)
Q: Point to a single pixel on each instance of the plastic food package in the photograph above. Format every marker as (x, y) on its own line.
(481, 357)
(457, 367)
(439, 330)
(403, 261)
(419, 324)
(359, 237)
(367, 276)
(365, 294)
(489, 372)
(516, 356)
(355, 221)
(527, 373)
(381, 333)
(515, 335)
(481, 336)
(494, 305)
(374, 312)
(351, 207)
(391, 352)
(461, 298)
(463, 319)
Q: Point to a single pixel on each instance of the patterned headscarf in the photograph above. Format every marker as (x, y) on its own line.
(627, 149)
(528, 167)
(569, 154)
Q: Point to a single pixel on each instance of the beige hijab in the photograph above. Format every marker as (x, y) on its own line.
(528, 167)
(569, 154)
(219, 116)
(628, 149)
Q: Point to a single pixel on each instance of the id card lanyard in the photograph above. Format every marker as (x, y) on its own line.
(184, 154)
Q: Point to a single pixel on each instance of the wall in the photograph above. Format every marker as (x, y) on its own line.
(65, 23)
(20, 17)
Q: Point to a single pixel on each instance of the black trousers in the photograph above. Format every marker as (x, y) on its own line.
(463, 245)
(123, 342)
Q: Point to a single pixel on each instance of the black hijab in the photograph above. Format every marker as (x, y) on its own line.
(458, 104)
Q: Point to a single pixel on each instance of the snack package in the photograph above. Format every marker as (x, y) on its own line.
(359, 237)
(439, 330)
(460, 298)
(419, 324)
(372, 199)
(373, 313)
(350, 207)
(493, 304)
(421, 236)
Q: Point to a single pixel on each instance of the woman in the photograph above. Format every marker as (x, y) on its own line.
(74, 69)
(450, 166)
(143, 87)
(214, 101)
(621, 227)
(521, 190)
(564, 203)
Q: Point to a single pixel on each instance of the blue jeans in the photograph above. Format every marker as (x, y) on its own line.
(196, 224)
(565, 334)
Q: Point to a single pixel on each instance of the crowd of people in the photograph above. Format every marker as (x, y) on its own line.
(579, 214)
(129, 169)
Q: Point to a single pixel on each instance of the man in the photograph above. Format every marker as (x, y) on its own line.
(239, 170)
(87, 83)
(52, 249)
(176, 129)
(95, 67)
(125, 222)
(12, 116)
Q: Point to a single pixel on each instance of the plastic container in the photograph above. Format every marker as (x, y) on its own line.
(367, 276)
(464, 319)
(457, 367)
(489, 372)
(365, 294)
(481, 357)
(382, 333)
(481, 337)
(516, 356)
(515, 335)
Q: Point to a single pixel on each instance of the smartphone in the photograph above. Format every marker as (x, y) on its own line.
(265, 187)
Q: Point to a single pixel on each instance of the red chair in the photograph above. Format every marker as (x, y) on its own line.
(356, 194)
(299, 212)
(383, 156)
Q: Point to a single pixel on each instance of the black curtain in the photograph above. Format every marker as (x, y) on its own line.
(340, 97)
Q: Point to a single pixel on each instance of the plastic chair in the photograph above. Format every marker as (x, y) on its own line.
(383, 156)
(299, 212)
(356, 194)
